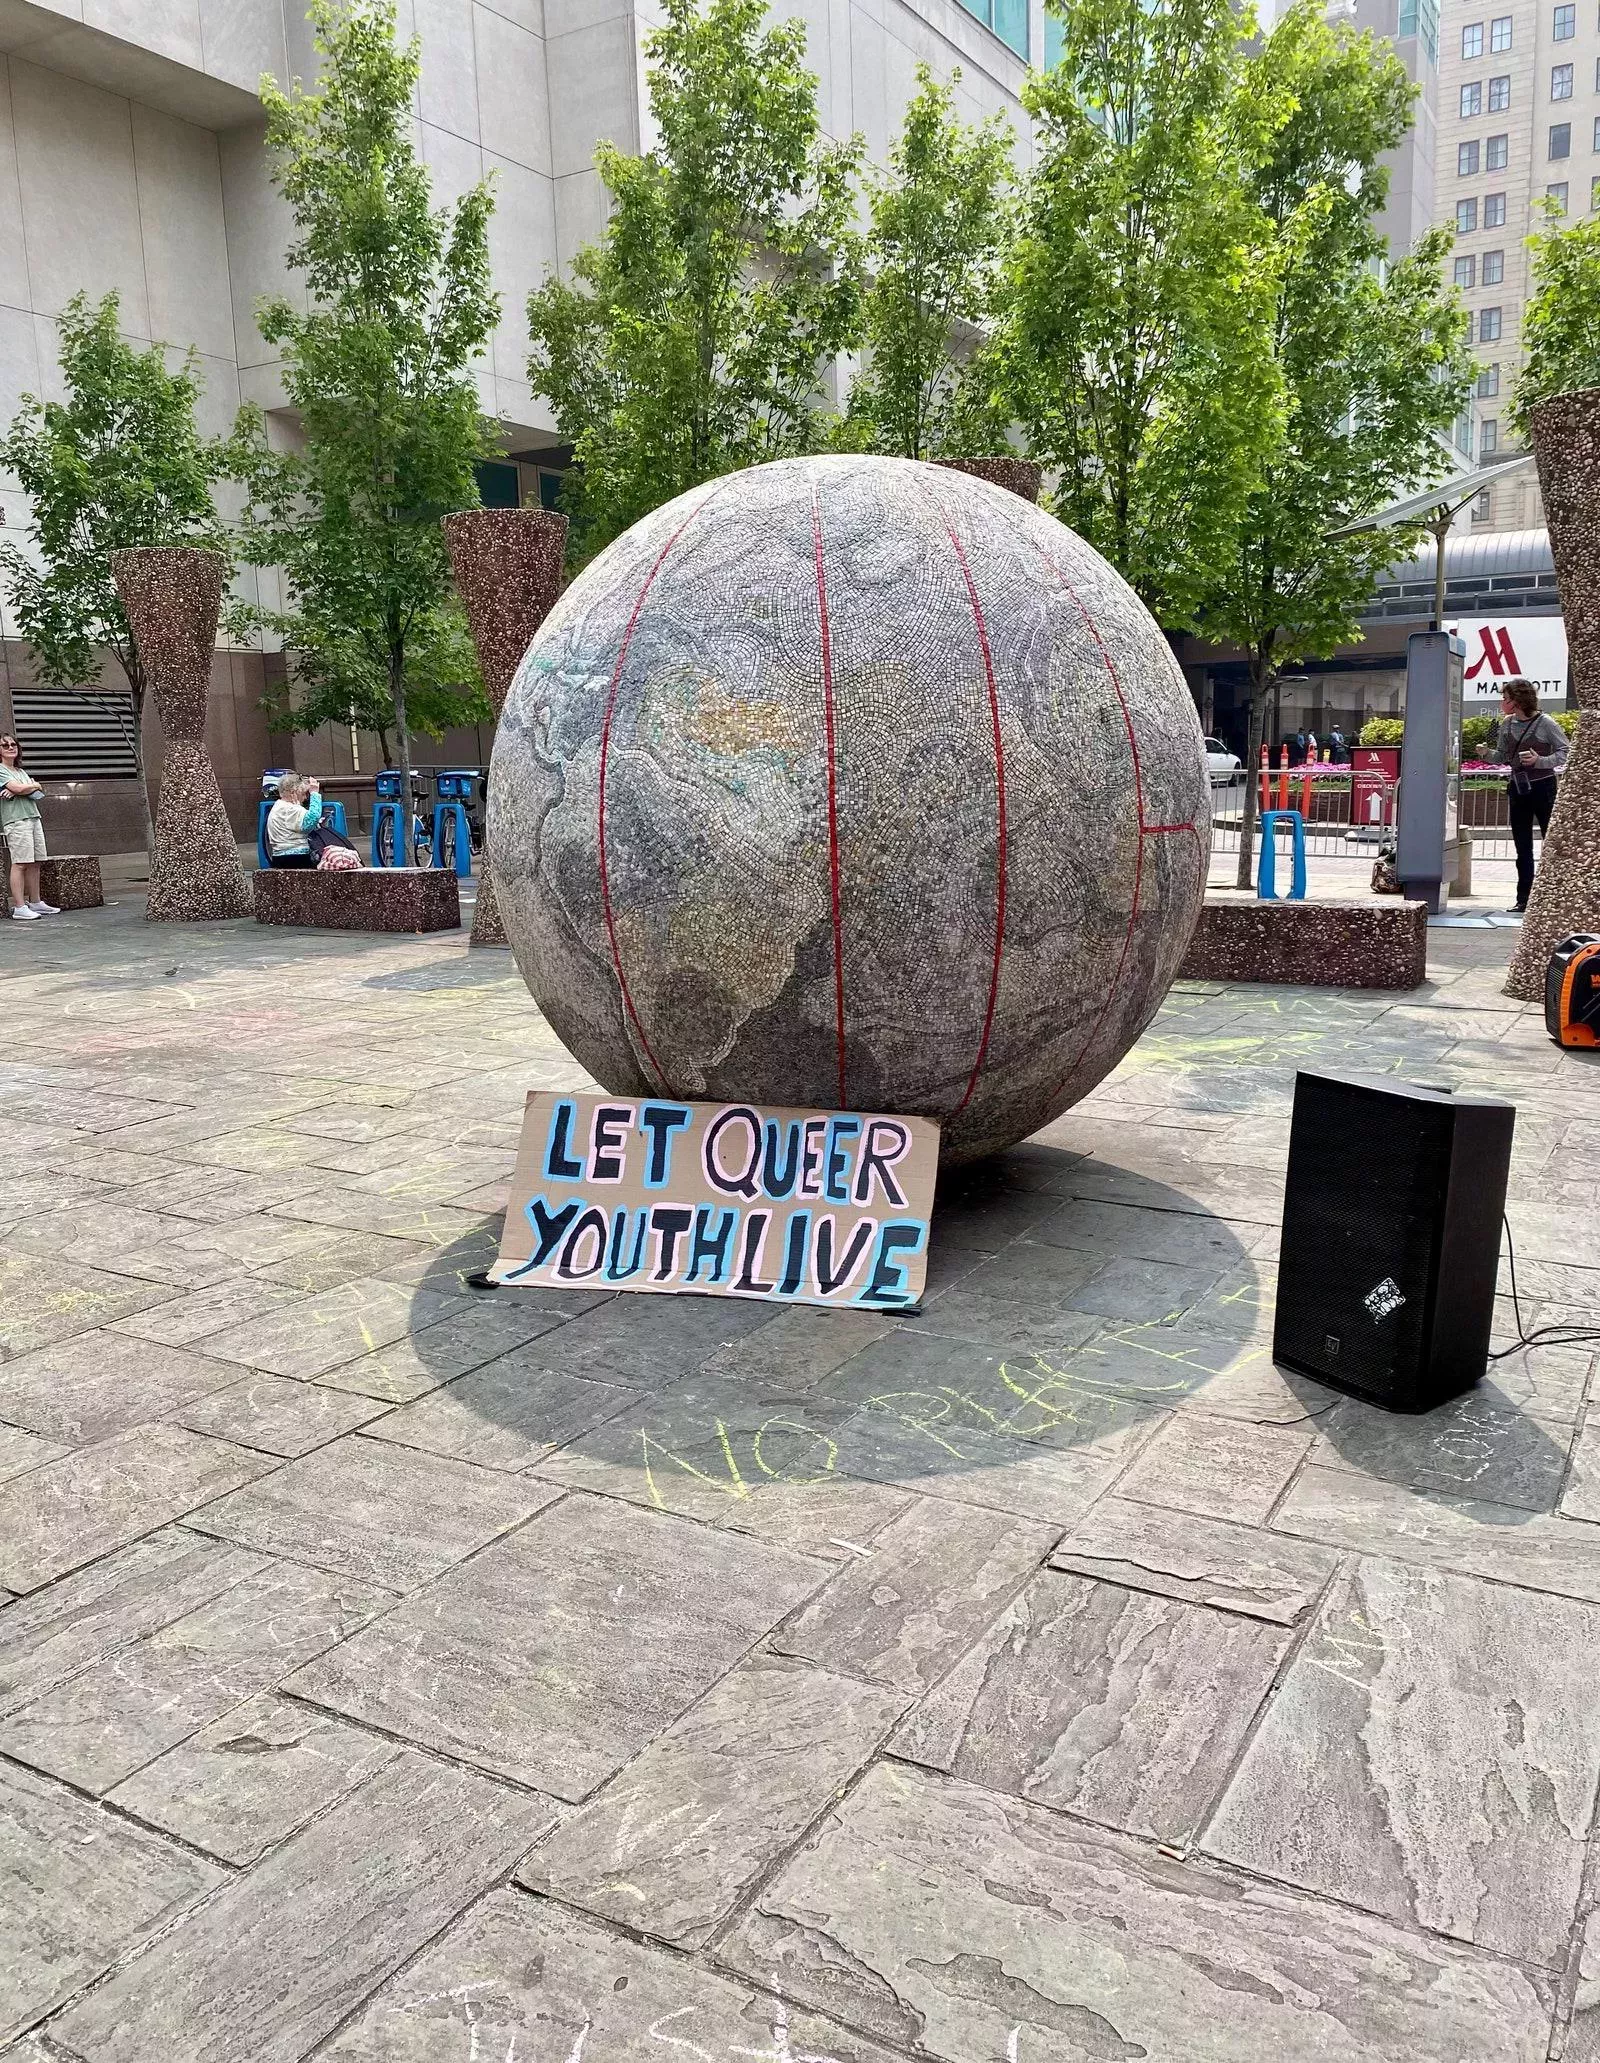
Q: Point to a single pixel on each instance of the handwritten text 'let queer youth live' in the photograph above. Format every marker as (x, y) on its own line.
(723, 1199)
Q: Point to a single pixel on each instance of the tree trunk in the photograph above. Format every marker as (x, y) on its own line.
(402, 733)
(1260, 687)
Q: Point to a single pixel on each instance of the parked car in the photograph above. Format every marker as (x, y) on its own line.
(1223, 763)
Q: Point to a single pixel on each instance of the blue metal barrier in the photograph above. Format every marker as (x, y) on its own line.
(1267, 876)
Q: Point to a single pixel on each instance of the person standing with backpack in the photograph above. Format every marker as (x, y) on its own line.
(1534, 748)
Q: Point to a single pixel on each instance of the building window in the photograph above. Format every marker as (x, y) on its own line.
(1597, 120)
(1560, 82)
(1420, 18)
(1597, 75)
(1472, 99)
(1500, 32)
(1488, 437)
(1594, 195)
(1466, 273)
(1557, 192)
(1500, 93)
(1007, 18)
(1466, 217)
(1483, 505)
(1488, 382)
(1494, 268)
(1488, 325)
(1560, 140)
(1494, 211)
(1472, 40)
(1055, 40)
(1467, 160)
(1564, 24)
(1495, 153)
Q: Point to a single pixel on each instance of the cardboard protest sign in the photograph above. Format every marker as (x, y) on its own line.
(724, 1199)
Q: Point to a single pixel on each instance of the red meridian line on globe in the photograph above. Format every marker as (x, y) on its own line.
(605, 758)
(1000, 811)
(833, 801)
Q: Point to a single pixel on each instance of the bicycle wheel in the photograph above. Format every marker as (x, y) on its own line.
(421, 844)
(446, 857)
(383, 838)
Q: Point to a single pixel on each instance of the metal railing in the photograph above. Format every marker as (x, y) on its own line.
(1325, 802)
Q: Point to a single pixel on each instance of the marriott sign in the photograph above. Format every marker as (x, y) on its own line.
(1499, 648)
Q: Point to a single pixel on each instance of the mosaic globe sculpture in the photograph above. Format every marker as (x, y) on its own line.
(851, 782)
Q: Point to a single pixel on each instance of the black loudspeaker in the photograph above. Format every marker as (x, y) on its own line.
(1391, 1237)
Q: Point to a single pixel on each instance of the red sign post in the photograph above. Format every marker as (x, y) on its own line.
(1374, 774)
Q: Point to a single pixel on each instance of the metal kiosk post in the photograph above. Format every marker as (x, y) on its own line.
(1430, 765)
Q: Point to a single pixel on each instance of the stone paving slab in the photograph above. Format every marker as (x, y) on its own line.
(1202, 1560)
(1116, 1706)
(374, 1511)
(1413, 1691)
(904, 1916)
(251, 1778)
(123, 1711)
(77, 1887)
(277, 1415)
(631, 1617)
(667, 1847)
(108, 1606)
(42, 1301)
(94, 1499)
(1216, 1467)
(1473, 1536)
(519, 1977)
(103, 1383)
(271, 1964)
(20, 1451)
(932, 1582)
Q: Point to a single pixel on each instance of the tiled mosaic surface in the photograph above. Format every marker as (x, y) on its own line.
(1566, 890)
(508, 567)
(172, 596)
(851, 781)
(401, 1675)
(1369, 945)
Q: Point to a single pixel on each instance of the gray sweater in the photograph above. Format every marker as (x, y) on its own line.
(1543, 735)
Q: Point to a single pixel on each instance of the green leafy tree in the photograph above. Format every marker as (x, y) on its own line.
(1134, 348)
(379, 367)
(1372, 361)
(940, 219)
(1561, 323)
(338, 681)
(118, 463)
(696, 335)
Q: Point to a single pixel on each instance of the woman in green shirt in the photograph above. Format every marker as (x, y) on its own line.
(23, 832)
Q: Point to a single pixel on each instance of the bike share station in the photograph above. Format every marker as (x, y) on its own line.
(446, 835)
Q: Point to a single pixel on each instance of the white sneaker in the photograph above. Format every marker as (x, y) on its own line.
(45, 909)
(23, 914)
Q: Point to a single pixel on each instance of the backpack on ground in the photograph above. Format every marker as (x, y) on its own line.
(1572, 991)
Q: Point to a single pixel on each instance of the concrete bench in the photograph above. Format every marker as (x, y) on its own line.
(71, 882)
(1341, 945)
(371, 899)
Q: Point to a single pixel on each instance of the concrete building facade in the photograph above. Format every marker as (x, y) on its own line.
(132, 159)
(1519, 105)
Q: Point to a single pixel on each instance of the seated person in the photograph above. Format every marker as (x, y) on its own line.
(291, 821)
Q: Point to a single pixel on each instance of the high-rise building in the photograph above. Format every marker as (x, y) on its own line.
(1519, 121)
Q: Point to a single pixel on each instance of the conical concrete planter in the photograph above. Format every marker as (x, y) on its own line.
(507, 564)
(1566, 893)
(172, 596)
